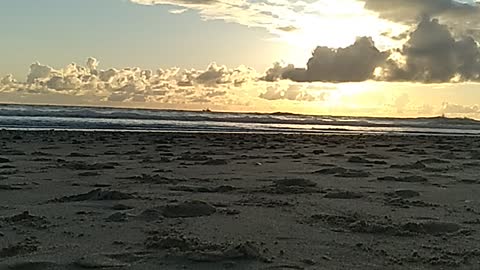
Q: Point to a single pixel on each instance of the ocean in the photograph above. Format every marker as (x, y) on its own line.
(39, 117)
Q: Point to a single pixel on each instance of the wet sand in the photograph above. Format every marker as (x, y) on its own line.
(83, 200)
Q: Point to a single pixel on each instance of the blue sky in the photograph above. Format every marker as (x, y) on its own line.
(120, 33)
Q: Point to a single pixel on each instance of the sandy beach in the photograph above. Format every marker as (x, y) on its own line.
(83, 200)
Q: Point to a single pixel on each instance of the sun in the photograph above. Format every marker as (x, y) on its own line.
(336, 24)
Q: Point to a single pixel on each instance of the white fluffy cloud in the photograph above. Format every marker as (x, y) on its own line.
(216, 85)
(132, 84)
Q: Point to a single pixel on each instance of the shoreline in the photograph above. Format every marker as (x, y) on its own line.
(249, 132)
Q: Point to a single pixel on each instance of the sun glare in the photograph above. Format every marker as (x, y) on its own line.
(336, 25)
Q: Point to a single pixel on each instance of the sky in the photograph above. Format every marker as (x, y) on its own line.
(399, 58)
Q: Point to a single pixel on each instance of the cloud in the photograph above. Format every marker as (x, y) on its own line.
(223, 88)
(296, 92)
(132, 84)
(408, 11)
(271, 14)
(39, 71)
(217, 75)
(291, 92)
(214, 86)
(299, 23)
(351, 64)
(289, 28)
(7, 80)
(449, 108)
(178, 11)
(431, 54)
(354, 63)
(277, 72)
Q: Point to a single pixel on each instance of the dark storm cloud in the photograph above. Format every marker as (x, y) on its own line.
(354, 63)
(431, 54)
(351, 64)
(408, 11)
(276, 72)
